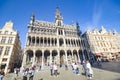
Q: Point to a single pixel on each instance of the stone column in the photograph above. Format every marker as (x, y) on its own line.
(57, 38)
(58, 56)
(66, 56)
(30, 40)
(50, 56)
(6, 68)
(50, 41)
(63, 32)
(39, 42)
(78, 56)
(46, 41)
(53, 42)
(58, 42)
(24, 60)
(35, 41)
(33, 62)
(75, 43)
(70, 43)
(43, 42)
(72, 54)
(42, 58)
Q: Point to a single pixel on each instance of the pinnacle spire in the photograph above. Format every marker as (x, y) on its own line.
(58, 17)
(58, 14)
(32, 19)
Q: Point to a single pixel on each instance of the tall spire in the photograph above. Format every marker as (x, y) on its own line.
(32, 19)
(58, 14)
(78, 29)
(58, 17)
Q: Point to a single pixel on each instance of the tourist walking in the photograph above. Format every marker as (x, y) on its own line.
(40, 67)
(66, 66)
(84, 67)
(99, 61)
(89, 71)
(60, 64)
(51, 69)
(16, 73)
(24, 74)
(55, 69)
(31, 73)
(76, 68)
(73, 65)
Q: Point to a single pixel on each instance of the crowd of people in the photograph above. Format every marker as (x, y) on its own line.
(54, 69)
(86, 67)
(77, 68)
(29, 72)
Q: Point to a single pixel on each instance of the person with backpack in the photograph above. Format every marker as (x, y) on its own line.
(31, 73)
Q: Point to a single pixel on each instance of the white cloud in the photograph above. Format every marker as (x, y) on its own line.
(97, 13)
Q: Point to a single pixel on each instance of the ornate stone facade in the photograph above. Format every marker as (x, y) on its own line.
(48, 42)
(104, 43)
(10, 47)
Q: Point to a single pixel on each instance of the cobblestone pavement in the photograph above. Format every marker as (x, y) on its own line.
(99, 74)
(111, 66)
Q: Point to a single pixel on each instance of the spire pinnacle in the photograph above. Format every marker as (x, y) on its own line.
(32, 19)
(58, 14)
(58, 17)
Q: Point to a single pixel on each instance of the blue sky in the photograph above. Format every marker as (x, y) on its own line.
(89, 13)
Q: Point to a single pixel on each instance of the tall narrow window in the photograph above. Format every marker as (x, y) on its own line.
(7, 50)
(6, 32)
(3, 40)
(59, 23)
(10, 40)
(1, 49)
(59, 32)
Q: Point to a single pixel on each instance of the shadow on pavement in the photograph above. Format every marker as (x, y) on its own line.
(41, 79)
(118, 79)
(110, 66)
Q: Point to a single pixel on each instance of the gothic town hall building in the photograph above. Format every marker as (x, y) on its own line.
(48, 42)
